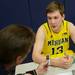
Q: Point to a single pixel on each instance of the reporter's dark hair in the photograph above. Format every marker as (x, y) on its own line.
(15, 40)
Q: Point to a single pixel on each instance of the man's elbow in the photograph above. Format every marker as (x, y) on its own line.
(33, 57)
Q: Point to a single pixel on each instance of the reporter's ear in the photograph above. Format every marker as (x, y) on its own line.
(18, 60)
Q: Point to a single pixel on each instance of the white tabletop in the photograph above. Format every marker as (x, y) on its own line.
(51, 70)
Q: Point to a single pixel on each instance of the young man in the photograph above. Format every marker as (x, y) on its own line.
(15, 43)
(52, 37)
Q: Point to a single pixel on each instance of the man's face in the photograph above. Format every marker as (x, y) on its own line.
(55, 20)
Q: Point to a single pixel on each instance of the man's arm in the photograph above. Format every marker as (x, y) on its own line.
(39, 41)
(38, 57)
(72, 31)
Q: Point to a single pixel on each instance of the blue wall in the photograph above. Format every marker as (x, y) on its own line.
(30, 12)
(14, 11)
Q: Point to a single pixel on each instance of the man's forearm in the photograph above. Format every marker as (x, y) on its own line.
(39, 58)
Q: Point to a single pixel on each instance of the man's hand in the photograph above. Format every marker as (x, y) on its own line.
(63, 62)
(42, 68)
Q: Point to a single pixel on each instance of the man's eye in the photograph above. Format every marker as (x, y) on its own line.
(49, 18)
(55, 17)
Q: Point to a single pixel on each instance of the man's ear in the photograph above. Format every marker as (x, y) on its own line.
(63, 16)
(19, 60)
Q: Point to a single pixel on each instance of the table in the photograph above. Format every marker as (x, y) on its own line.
(51, 70)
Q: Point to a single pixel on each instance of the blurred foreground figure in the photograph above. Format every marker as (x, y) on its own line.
(15, 44)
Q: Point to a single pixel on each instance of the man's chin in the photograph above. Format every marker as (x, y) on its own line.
(55, 30)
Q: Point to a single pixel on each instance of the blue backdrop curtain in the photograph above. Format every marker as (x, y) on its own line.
(14, 11)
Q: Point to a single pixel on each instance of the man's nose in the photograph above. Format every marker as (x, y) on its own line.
(52, 21)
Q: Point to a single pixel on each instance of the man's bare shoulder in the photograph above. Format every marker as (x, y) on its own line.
(71, 26)
(42, 28)
(40, 31)
(72, 31)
